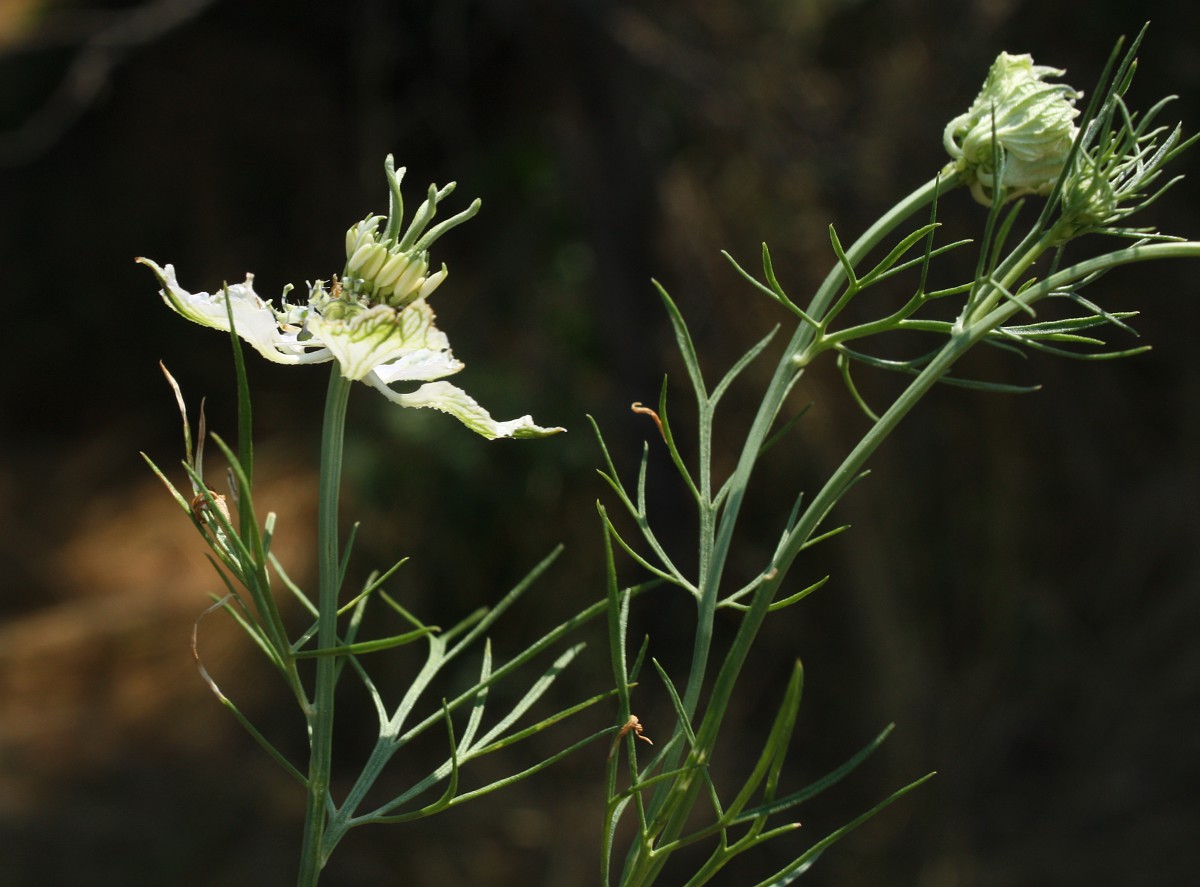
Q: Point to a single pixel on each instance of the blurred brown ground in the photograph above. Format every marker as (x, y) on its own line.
(1020, 591)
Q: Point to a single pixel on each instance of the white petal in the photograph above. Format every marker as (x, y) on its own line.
(449, 399)
(379, 335)
(255, 320)
(422, 365)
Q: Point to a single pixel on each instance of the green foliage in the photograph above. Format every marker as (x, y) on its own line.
(1106, 177)
(1111, 171)
(241, 555)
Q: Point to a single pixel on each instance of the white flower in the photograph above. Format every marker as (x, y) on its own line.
(376, 322)
(1030, 121)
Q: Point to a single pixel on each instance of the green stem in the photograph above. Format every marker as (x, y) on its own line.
(854, 462)
(320, 718)
(845, 475)
(786, 375)
(642, 868)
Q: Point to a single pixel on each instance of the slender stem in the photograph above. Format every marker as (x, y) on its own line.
(312, 856)
(854, 462)
(786, 375)
(641, 868)
(849, 470)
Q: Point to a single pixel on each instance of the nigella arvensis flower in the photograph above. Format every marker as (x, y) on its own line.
(374, 321)
(1019, 119)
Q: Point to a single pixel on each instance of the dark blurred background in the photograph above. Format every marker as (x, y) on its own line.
(1019, 592)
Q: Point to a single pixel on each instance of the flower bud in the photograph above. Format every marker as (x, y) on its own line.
(1031, 121)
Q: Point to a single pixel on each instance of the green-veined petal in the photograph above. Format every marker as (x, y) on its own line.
(449, 399)
(367, 338)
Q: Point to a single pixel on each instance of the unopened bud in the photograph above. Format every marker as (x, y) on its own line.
(1032, 125)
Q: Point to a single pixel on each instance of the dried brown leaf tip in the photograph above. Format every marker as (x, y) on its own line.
(632, 725)
(638, 407)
